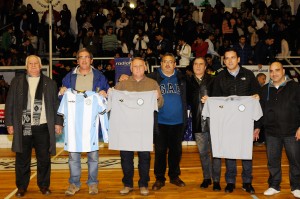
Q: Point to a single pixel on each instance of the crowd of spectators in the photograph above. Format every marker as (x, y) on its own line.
(259, 32)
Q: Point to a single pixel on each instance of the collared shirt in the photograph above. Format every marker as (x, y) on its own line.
(235, 73)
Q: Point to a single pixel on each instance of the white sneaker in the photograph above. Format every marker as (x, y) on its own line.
(296, 193)
(126, 190)
(270, 192)
(144, 191)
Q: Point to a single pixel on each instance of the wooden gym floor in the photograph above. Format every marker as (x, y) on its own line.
(110, 180)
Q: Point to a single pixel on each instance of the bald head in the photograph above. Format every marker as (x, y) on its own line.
(277, 73)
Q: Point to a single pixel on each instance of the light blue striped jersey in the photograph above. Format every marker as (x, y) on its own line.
(82, 112)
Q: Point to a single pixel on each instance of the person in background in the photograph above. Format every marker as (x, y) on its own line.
(30, 116)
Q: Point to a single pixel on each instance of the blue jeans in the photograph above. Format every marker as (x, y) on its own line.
(211, 167)
(128, 167)
(75, 168)
(274, 151)
(230, 174)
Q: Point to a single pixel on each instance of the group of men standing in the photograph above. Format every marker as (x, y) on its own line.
(280, 101)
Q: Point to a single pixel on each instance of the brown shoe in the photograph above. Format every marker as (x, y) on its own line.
(178, 182)
(45, 190)
(158, 185)
(20, 193)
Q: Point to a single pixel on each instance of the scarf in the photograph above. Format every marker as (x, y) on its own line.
(37, 106)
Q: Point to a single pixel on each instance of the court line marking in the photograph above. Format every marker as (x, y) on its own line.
(31, 177)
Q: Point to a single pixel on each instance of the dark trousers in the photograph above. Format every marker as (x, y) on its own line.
(274, 152)
(168, 139)
(128, 167)
(40, 140)
(231, 171)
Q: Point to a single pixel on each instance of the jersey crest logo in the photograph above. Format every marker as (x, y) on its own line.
(121, 100)
(88, 101)
(221, 106)
(242, 108)
(140, 101)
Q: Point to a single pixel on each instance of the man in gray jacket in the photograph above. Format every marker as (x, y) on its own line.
(30, 116)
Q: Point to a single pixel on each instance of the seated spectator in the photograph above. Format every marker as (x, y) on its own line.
(33, 39)
(91, 42)
(3, 90)
(244, 50)
(213, 65)
(122, 22)
(25, 50)
(140, 40)
(264, 53)
(109, 43)
(200, 47)
(109, 73)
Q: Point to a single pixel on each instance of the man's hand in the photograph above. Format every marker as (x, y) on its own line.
(297, 136)
(103, 93)
(256, 96)
(256, 134)
(204, 98)
(10, 130)
(58, 129)
(123, 77)
(62, 90)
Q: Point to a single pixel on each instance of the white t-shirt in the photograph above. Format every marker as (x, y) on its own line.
(131, 120)
(232, 124)
(81, 113)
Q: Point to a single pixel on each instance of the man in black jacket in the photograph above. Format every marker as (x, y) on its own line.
(236, 80)
(280, 101)
(198, 88)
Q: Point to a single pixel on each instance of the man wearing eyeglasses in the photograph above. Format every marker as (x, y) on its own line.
(84, 78)
(171, 120)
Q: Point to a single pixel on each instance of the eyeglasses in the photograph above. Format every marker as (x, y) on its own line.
(168, 62)
(84, 57)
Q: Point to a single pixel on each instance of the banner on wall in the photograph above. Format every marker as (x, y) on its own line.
(265, 70)
(122, 67)
(2, 120)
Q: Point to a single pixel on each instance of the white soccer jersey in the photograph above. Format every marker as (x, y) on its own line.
(81, 113)
(232, 124)
(131, 120)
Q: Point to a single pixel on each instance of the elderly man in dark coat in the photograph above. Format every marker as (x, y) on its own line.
(31, 117)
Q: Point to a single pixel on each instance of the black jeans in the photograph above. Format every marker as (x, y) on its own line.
(128, 167)
(169, 138)
(274, 151)
(40, 140)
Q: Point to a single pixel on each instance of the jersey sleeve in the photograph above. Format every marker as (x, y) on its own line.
(63, 105)
(155, 104)
(205, 111)
(102, 109)
(109, 100)
(257, 113)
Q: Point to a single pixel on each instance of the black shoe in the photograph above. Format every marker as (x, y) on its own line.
(205, 183)
(229, 188)
(248, 188)
(178, 182)
(45, 190)
(216, 186)
(20, 193)
(158, 185)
